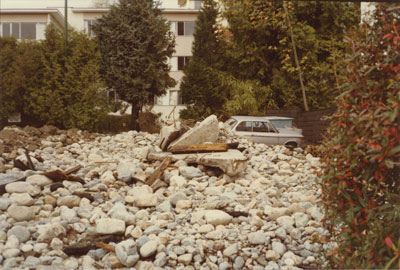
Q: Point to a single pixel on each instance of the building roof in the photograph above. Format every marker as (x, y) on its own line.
(53, 11)
(163, 10)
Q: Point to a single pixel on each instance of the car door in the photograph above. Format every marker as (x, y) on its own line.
(244, 128)
(263, 132)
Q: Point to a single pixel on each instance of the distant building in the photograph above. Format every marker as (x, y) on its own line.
(27, 19)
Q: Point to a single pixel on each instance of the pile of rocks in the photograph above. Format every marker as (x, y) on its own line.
(265, 217)
(13, 138)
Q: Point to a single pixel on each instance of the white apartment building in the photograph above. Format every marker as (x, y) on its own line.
(27, 19)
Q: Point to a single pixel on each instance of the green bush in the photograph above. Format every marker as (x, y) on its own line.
(361, 181)
(68, 93)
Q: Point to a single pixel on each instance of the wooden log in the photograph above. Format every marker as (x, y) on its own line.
(73, 170)
(159, 171)
(199, 148)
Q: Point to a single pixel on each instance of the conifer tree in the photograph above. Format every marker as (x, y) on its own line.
(85, 95)
(47, 102)
(135, 44)
(201, 88)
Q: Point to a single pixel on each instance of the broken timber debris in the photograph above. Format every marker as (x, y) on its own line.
(199, 148)
(28, 158)
(73, 169)
(159, 171)
(58, 175)
(231, 162)
(20, 165)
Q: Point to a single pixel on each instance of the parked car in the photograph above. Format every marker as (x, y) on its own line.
(261, 130)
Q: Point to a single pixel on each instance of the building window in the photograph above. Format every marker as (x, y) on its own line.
(183, 28)
(175, 97)
(183, 61)
(23, 30)
(89, 27)
(28, 31)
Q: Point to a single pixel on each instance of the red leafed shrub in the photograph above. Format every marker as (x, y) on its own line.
(361, 180)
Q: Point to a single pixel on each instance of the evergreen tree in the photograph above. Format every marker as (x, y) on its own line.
(8, 95)
(201, 87)
(88, 104)
(47, 102)
(67, 90)
(135, 44)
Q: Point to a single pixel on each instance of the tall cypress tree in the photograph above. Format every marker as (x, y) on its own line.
(135, 44)
(200, 87)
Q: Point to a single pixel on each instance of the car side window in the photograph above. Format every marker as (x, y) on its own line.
(270, 127)
(260, 126)
(244, 126)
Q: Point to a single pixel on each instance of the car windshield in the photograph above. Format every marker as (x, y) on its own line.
(231, 122)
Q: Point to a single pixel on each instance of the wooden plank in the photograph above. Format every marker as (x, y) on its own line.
(159, 171)
(199, 148)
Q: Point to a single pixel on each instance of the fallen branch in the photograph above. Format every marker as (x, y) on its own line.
(199, 148)
(159, 171)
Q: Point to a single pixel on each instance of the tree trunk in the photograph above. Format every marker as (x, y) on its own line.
(135, 115)
(303, 91)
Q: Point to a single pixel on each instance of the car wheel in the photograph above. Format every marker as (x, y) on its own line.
(291, 145)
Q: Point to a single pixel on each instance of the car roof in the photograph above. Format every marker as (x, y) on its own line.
(259, 118)
(277, 118)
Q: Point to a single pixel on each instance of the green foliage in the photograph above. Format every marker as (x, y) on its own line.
(46, 102)
(260, 47)
(135, 44)
(69, 93)
(88, 103)
(8, 95)
(39, 81)
(360, 182)
(200, 86)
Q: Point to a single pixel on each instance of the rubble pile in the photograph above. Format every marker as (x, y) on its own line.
(87, 206)
(13, 138)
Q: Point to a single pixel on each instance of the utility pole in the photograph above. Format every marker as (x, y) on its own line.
(295, 58)
(66, 26)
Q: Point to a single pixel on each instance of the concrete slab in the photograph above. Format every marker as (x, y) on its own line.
(231, 162)
(205, 131)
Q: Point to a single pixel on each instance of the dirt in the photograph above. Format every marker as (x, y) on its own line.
(13, 138)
